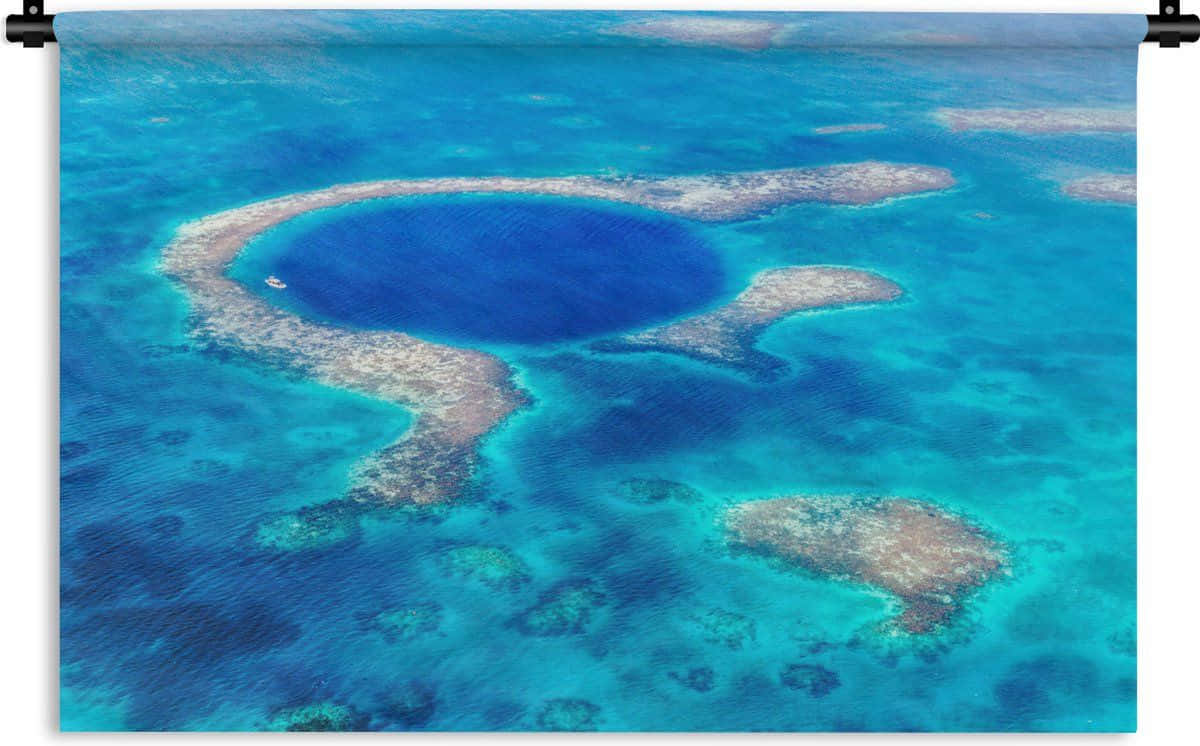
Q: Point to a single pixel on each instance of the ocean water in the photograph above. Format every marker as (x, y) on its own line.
(439, 267)
(1000, 386)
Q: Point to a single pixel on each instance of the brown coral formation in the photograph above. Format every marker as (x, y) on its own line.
(726, 335)
(928, 558)
(1117, 188)
(1039, 121)
(458, 395)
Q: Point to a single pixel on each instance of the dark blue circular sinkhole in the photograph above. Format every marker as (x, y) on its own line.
(490, 269)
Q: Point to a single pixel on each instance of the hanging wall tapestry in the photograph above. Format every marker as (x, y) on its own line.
(623, 371)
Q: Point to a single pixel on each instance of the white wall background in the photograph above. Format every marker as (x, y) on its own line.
(1169, 362)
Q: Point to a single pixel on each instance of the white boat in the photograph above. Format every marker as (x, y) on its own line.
(275, 282)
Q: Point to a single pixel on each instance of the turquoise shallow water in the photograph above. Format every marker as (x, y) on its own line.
(1002, 384)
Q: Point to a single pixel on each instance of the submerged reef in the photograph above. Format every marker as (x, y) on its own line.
(457, 395)
(727, 628)
(1118, 188)
(699, 679)
(738, 33)
(496, 567)
(309, 528)
(726, 335)
(928, 558)
(1123, 641)
(563, 610)
(654, 491)
(1039, 121)
(568, 715)
(321, 716)
(816, 681)
(1039, 688)
(404, 623)
(410, 706)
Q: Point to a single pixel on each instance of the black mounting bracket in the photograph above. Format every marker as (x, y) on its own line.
(33, 28)
(1170, 28)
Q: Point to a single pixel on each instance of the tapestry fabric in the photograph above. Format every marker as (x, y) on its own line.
(472, 371)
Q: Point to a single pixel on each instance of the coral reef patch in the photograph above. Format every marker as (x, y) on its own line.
(568, 715)
(1117, 188)
(654, 491)
(816, 681)
(496, 567)
(565, 609)
(726, 335)
(1123, 640)
(699, 679)
(318, 717)
(727, 628)
(404, 622)
(411, 706)
(310, 528)
(927, 558)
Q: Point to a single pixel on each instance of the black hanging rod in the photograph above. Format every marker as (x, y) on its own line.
(1169, 28)
(33, 28)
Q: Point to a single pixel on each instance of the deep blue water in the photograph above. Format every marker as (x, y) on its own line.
(1002, 385)
(441, 267)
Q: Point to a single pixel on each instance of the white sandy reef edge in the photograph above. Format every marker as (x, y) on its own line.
(841, 129)
(1117, 188)
(1038, 121)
